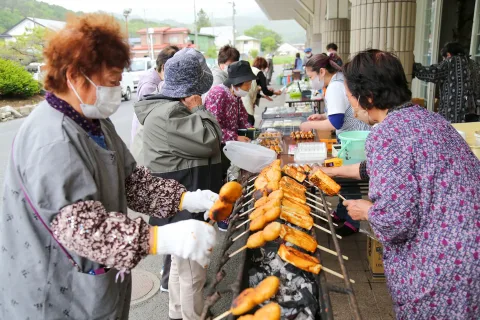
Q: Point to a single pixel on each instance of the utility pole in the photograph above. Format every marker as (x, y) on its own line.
(126, 13)
(233, 22)
(196, 26)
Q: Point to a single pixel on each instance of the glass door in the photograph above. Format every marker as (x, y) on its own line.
(426, 51)
(475, 46)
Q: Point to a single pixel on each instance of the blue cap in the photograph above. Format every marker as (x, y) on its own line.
(307, 50)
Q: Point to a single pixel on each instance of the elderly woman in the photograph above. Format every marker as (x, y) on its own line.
(64, 230)
(425, 192)
(181, 140)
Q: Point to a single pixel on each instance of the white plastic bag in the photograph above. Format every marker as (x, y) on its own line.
(248, 156)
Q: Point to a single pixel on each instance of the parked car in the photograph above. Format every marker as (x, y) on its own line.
(138, 67)
(127, 85)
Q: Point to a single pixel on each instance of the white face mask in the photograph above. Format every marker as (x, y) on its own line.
(317, 84)
(107, 102)
(239, 92)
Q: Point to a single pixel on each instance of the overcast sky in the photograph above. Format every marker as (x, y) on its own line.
(179, 10)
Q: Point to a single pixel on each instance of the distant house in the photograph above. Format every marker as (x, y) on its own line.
(223, 35)
(245, 44)
(287, 50)
(162, 38)
(299, 46)
(134, 41)
(205, 41)
(27, 24)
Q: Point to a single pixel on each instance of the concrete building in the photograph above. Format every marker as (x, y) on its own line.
(28, 24)
(246, 44)
(415, 30)
(223, 35)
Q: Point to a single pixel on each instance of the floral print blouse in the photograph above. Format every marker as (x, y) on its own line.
(229, 111)
(425, 186)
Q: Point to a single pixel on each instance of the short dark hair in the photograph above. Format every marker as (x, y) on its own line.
(228, 53)
(164, 55)
(318, 61)
(454, 48)
(297, 55)
(332, 46)
(260, 63)
(379, 76)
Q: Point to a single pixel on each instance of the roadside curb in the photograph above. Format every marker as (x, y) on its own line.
(9, 113)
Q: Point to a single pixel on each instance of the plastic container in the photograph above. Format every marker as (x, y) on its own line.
(309, 152)
(258, 157)
(353, 146)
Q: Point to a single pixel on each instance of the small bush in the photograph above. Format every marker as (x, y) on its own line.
(16, 81)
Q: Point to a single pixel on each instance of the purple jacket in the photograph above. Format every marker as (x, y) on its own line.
(425, 186)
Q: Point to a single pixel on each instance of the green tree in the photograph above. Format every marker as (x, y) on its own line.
(211, 52)
(253, 53)
(261, 33)
(202, 20)
(26, 49)
(268, 44)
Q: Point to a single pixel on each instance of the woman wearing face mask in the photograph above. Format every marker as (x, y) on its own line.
(251, 100)
(425, 195)
(150, 83)
(67, 243)
(339, 116)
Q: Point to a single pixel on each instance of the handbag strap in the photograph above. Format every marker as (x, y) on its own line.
(70, 258)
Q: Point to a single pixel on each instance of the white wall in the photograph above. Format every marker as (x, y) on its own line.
(21, 29)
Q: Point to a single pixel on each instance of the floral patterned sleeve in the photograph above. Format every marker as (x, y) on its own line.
(109, 238)
(152, 195)
(216, 102)
(243, 117)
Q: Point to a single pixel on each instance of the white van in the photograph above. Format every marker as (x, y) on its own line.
(138, 67)
(127, 85)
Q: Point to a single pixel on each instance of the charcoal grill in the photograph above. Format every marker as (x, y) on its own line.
(218, 287)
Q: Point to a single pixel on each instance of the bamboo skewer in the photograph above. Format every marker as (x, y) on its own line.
(341, 197)
(326, 230)
(247, 212)
(243, 223)
(318, 198)
(240, 235)
(249, 194)
(331, 252)
(248, 202)
(238, 251)
(223, 315)
(336, 274)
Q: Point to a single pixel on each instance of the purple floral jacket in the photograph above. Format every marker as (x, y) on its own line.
(229, 111)
(425, 186)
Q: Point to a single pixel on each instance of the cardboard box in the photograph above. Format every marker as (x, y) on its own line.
(374, 256)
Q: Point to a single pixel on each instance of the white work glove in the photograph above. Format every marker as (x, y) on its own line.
(189, 239)
(198, 201)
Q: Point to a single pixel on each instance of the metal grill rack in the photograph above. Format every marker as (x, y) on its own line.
(218, 287)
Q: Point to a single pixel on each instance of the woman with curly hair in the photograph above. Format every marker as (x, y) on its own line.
(425, 192)
(66, 241)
